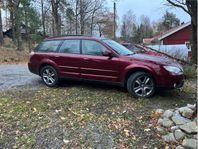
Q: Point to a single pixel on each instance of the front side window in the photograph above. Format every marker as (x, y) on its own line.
(48, 46)
(91, 47)
(70, 46)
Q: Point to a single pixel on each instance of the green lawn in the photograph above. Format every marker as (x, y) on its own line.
(82, 116)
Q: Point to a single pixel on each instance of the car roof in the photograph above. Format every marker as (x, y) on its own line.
(74, 37)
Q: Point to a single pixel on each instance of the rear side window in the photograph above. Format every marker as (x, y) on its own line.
(49, 46)
(91, 47)
(70, 46)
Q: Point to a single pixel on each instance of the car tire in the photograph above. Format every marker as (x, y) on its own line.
(49, 76)
(141, 85)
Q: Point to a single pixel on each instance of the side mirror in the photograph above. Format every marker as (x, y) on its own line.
(107, 53)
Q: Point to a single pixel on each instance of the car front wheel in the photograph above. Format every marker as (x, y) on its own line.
(49, 76)
(141, 84)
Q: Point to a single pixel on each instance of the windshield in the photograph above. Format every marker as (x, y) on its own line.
(120, 49)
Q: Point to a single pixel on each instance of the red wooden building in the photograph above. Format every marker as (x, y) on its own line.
(178, 35)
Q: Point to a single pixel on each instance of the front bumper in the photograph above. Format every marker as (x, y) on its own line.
(178, 84)
(171, 81)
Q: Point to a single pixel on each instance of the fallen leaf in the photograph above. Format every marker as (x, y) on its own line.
(146, 130)
(126, 132)
(66, 141)
(62, 118)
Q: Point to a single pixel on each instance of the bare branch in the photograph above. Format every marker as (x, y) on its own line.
(179, 5)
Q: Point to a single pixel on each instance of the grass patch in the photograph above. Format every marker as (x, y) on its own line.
(190, 71)
(81, 116)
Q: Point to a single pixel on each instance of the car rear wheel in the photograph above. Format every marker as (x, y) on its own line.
(141, 84)
(49, 76)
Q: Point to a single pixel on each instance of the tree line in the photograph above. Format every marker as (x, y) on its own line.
(57, 17)
(135, 31)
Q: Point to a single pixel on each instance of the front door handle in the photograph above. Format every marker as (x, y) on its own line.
(56, 56)
(87, 59)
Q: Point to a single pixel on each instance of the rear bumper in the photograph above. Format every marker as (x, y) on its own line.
(33, 68)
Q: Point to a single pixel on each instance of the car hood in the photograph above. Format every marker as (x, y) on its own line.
(156, 59)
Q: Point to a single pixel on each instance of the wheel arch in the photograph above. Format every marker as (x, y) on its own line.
(47, 63)
(138, 69)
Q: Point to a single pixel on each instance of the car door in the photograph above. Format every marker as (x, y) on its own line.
(96, 66)
(69, 58)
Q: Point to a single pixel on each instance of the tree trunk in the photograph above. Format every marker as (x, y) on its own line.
(81, 18)
(58, 25)
(12, 22)
(92, 21)
(1, 30)
(194, 43)
(56, 18)
(114, 21)
(43, 18)
(192, 7)
(18, 30)
(76, 17)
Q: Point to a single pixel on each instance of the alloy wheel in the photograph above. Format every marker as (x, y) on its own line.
(143, 86)
(49, 76)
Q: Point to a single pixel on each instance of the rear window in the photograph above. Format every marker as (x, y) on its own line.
(48, 46)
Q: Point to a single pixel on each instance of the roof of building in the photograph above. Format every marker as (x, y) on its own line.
(174, 30)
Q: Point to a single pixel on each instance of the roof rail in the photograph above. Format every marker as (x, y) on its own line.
(69, 36)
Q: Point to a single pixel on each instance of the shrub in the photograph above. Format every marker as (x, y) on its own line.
(190, 71)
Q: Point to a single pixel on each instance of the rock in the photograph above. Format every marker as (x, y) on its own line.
(186, 112)
(193, 107)
(167, 114)
(159, 111)
(173, 128)
(190, 127)
(190, 143)
(179, 120)
(179, 147)
(195, 137)
(179, 134)
(169, 138)
(167, 123)
(195, 120)
(161, 130)
(159, 122)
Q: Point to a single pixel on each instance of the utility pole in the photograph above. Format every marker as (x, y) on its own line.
(1, 26)
(114, 20)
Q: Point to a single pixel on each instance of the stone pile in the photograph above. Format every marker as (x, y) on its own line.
(179, 126)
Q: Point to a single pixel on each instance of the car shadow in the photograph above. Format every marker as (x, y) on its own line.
(91, 85)
(166, 94)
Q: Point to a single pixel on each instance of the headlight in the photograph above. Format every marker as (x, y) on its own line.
(173, 69)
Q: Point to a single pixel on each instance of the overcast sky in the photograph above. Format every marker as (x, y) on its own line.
(154, 9)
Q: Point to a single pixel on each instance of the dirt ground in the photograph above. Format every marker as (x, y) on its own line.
(9, 54)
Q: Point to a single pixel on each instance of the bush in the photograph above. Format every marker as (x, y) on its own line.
(190, 71)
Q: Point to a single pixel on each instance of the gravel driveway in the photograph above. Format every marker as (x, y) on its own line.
(14, 76)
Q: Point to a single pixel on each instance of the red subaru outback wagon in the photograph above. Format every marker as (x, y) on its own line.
(103, 60)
